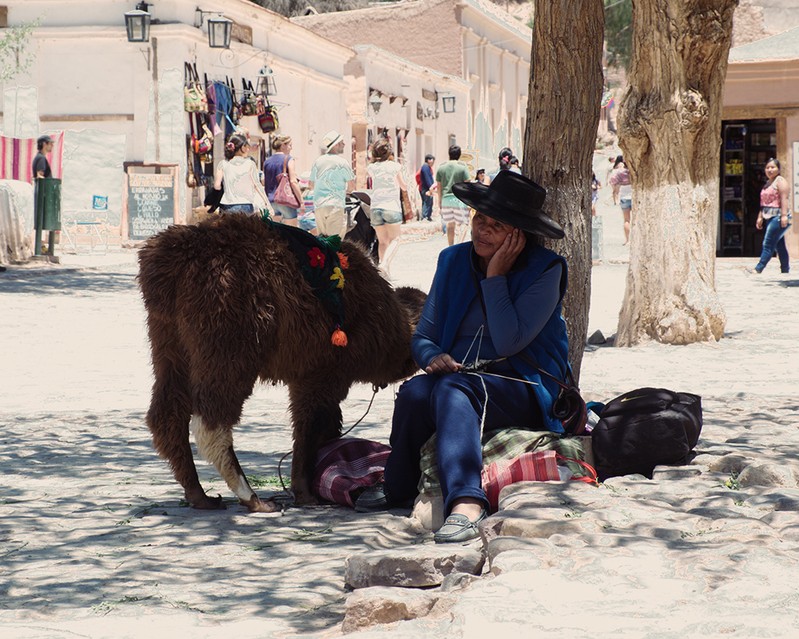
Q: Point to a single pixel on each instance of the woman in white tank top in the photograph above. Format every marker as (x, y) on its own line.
(243, 192)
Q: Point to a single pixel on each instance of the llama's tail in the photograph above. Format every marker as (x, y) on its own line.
(158, 274)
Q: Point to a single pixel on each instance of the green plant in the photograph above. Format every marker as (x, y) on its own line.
(257, 481)
(732, 483)
(15, 54)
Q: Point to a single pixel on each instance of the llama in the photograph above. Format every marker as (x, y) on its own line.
(227, 304)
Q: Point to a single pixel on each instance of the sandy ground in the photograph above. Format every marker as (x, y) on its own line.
(96, 542)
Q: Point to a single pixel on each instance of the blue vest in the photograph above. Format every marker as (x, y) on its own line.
(550, 348)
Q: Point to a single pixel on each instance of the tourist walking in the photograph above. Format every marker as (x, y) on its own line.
(622, 193)
(275, 166)
(385, 206)
(503, 159)
(238, 174)
(453, 211)
(774, 216)
(595, 186)
(426, 182)
(330, 180)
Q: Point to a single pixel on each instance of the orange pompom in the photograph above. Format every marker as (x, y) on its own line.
(338, 338)
(345, 263)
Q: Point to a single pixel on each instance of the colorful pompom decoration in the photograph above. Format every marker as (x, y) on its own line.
(338, 338)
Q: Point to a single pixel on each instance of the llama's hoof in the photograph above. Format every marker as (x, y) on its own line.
(208, 503)
(256, 505)
(305, 499)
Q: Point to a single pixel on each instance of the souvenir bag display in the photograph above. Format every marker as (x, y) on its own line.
(205, 144)
(235, 110)
(249, 102)
(194, 99)
(202, 145)
(267, 115)
(284, 193)
(191, 179)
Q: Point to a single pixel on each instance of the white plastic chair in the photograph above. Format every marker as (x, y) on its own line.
(77, 226)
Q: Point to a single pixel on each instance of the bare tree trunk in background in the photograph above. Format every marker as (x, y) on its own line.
(562, 119)
(669, 129)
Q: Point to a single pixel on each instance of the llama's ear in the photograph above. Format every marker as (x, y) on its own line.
(412, 300)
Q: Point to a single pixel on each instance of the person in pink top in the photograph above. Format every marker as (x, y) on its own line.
(774, 216)
(622, 192)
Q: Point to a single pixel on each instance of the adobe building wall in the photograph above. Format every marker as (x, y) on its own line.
(422, 32)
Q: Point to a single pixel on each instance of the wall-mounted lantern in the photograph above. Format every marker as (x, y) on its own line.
(219, 28)
(375, 101)
(448, 103)
(265, 84)
(137, 23)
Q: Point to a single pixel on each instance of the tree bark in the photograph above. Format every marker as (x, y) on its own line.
(669, 129)
(562, 119)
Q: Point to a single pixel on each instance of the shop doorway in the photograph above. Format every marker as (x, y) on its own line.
(746, 146)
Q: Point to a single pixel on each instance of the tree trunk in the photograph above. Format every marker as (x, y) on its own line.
(669, 130)
(562, 119)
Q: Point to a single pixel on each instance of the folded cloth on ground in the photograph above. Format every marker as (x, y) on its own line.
(507, 444)
(503, 447)
(345, 466)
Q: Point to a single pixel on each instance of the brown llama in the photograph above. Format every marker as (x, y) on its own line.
(226, 305)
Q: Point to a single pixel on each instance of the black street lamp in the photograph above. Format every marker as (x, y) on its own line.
(137, 23)
(219, 29)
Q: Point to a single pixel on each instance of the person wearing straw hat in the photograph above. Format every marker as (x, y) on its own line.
(492, 315)
(331, 177)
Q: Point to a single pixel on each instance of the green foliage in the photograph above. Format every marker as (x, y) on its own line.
(15, 54)
(619, 32)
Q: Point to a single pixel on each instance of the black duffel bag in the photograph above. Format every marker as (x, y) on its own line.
(645, 428)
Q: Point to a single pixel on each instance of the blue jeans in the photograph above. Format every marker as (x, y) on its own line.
(249, 209)
(427, 207)
(774, 238)
(285, 211)
(451, 406)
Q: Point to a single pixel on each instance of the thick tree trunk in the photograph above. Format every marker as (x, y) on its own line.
(562, 118)
(669, 130)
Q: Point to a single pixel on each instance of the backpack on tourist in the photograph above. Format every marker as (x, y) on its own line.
(645, 428)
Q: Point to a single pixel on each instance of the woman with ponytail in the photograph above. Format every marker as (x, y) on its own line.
(243, 190)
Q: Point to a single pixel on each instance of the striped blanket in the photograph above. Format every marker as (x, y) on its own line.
(347, 465)
(16, 157)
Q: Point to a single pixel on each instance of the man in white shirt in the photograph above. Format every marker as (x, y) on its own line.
(330, 180)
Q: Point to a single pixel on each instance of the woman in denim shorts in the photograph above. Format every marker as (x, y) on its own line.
(243, 192)
(273, 169)
(386, 214)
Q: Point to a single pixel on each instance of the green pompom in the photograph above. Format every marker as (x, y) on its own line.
(333, 241)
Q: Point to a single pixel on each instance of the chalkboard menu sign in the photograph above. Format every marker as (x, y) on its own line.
(151, 204)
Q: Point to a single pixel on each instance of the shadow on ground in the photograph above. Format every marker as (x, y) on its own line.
(90, 518)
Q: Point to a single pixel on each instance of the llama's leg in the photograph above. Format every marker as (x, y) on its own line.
(316, 417)
(219, 393)
(170, 410)
(215, 444)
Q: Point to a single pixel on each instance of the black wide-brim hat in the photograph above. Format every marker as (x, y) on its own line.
(513, 199)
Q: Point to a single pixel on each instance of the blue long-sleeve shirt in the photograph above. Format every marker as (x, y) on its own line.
(427, 178)
(508, 326)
